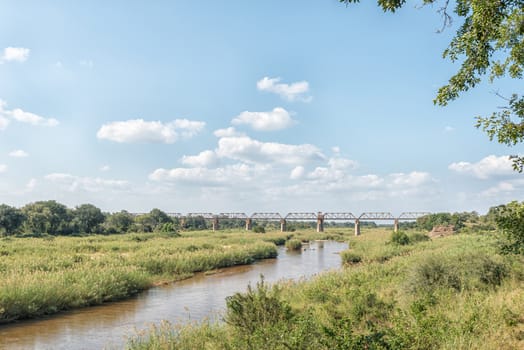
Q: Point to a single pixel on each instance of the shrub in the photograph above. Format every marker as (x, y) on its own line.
(349, 257)
(475, 271)
(259, 229)
(259, 317)
(400, 238)
(418, 237)
(294, 244)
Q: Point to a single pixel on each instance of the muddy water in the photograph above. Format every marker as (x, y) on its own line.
(193, 299)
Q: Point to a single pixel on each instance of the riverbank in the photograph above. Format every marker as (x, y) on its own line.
(449, 293)
(46, 275)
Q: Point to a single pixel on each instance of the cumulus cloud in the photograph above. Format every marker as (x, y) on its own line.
(412, 179)
(342, 163)
(139, 130)
(4, 122)
(3, 168)
(253, 151)
(18, 154)
(21, 116)
(277, 119)
(203, 159)
(31, 118)
(231, 174)
(297, 173)
(14, 54)
(31, 184)
(228, 132)
(291, 92)
(74, 183)
(485, 168)
(501, 187)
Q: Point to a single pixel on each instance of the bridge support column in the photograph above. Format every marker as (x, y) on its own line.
(320, 222)
(395, 225)
(282, 225)
(249, 224)
(215, 224)
(357, 227)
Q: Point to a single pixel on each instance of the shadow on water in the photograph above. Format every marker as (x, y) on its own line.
(188, 300)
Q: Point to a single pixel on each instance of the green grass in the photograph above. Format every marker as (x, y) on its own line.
(45, 275)
(449, 293)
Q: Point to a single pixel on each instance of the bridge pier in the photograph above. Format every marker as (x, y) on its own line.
(282, 225)
(395, 225)
(215, 223)
(320, 222)
(249, 224)
(357, 227)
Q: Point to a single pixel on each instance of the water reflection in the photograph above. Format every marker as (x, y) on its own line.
(188, 300)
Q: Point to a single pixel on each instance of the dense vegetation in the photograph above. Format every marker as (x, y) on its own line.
(455, 292)
(47, 274)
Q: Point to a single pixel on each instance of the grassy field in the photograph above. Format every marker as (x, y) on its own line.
(45, 275)
(448, 293)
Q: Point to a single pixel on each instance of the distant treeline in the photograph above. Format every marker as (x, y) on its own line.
(53, 218)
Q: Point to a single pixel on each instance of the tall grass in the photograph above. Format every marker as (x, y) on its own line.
(41, 276)
(449, 293)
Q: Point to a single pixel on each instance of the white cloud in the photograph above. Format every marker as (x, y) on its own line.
(277, 119)
(413, 179)
(252, 151)
(342, 163)
(485, 168)
(449, 129)
(231, 174)
(74, 183)
(231, 131)
(138, 130)
(14, 54)
(30, 186)
(3, 168)
(23, 117)
(203, 159)
(335, 149)
(105, 168)
(297, 173)
(31, 118)
(501, 187)
(291, 92)
(4, 122)
(18, 153)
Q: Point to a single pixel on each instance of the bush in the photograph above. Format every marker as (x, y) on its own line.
(475, 271)
(349, 257)
(418, 237)
(294, 244)
(259, 317)
(259, 229)
(400, 238)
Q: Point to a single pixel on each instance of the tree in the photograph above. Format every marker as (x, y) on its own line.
(48, 217)
(119, 222)
(490, 42)
(510, 220)
(11, 219)
(152, 221)
(87, 218)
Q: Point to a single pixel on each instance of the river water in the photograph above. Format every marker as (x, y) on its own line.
(202, 296)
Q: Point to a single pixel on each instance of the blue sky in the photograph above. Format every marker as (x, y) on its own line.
(240, 106)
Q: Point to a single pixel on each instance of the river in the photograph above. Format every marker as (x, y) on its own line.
(193, 299)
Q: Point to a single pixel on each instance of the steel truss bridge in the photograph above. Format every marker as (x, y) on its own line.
(318, 217)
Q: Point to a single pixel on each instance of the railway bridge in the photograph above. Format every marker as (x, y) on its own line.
(318, 217)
